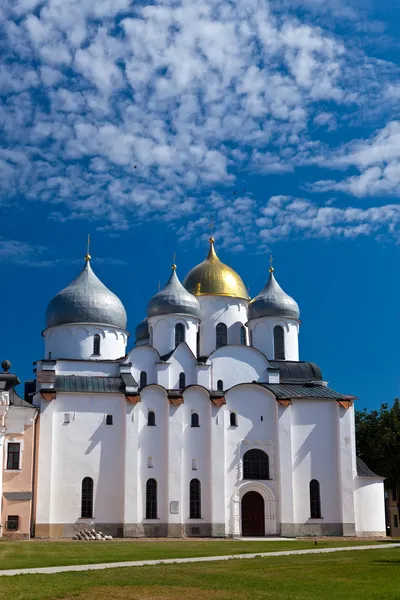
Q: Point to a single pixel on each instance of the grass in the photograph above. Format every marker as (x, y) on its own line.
(368, 575)
(19, 555)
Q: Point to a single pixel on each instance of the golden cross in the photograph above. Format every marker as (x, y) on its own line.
(88, 257)
(271, 260)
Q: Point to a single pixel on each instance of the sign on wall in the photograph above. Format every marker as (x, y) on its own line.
(174, 507)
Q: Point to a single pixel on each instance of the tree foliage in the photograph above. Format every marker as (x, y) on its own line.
(378, 443)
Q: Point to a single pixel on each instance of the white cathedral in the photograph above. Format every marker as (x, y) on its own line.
(209, 426)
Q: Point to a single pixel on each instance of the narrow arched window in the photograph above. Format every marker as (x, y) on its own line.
(143, 379)
(279, 343)
(182, 381)
(179, 334)
(255, 465)
(151, 418)
(151, 499)
(96, 345)
(198, 343)
(233, 419)
(315, 500)
(221, 332)
(220, 385)
(243, 335)
(150, 462)
(251, 338)
(195, 499)
(194, 465)
(87, 498)
(194, 421)
(151, 335)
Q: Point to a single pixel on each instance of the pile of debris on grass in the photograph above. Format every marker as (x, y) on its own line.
(92, 534)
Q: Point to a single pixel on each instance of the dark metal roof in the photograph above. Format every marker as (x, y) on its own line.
(363, 470)
(173, 299)
(16, 400)
(288, 392)
(80, 383)
(272, 301)
(297, 371)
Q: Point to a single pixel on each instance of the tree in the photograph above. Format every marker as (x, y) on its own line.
(378, 443)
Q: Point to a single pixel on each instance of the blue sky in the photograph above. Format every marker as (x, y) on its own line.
(138, 122)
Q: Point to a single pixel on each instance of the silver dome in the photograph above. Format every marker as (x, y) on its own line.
(86, 300)
(272, 301)
(142, 331)
(173, 299)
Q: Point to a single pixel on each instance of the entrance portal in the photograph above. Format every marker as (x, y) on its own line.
(253, 514)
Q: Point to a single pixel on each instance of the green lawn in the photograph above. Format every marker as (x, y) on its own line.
(18, 555)
(368, 575)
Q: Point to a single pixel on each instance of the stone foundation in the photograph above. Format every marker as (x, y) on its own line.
(311, 529)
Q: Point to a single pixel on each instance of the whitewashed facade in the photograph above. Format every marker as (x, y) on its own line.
(177, 408)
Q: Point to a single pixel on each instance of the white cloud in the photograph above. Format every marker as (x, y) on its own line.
(285, 216)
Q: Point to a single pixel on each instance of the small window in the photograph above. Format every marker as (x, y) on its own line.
(251, 338)
(179, 334)
(143, 379)
(151, 499)
(12, 523)
(67, 418)
(150, 462)
(395, 521)
(87, 498)
(49, 356)
(109, 419)
(233, 419)
(315, 500)
(220, 385)
(194, 465)
(221, 333)
(195, 499)
(13, 456)
(279, 343)
(243, 335)
(151, 418)
(255, 465)
(198, 343)
(182, 381)
(194, 420)
(96, 345)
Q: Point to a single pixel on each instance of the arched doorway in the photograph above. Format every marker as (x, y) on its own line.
(253, 514)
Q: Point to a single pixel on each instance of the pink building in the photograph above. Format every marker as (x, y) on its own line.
(17, 439)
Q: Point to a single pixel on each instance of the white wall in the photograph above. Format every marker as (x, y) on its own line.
(250, 403)
(263, 336)
(144, 358)
(163, 327)
(76, 341)
(370, 506)
(315, 455)
(219, 309)
(238, 364)
(85, 447)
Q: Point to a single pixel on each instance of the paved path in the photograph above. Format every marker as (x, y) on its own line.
(170, 561)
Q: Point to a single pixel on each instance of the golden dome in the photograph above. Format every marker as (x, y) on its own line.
(212, 277)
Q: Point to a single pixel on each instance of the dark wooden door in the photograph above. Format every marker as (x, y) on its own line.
(253, 517)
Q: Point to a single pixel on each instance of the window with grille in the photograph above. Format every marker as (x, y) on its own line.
(220, 385)
(151, 499)
(315, 500)
(87, 498)
(243, 335)
(13, 456)
(195, 499)
(179, 334)
(195, 420)
(151, 418)
(255, 465)
(12, 523)
(279, 343)
(233, 419)
(96, 345)
(143, 379)
(221, 333)
(182, 381)
(109, 419)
